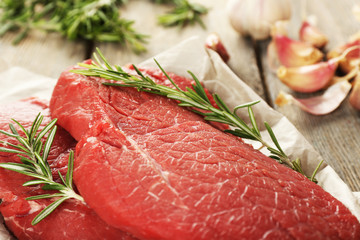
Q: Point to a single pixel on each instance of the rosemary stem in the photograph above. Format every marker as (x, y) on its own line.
(312, 178)
(72, 194)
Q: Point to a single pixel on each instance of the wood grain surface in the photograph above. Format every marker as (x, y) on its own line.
(46, 54)
(336, 136)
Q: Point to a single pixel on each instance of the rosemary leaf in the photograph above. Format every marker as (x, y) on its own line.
(186, 100)
(17, 167)
(69, 173)
(48, 145)
(249, 104)
(199, 88)
(13, 145)
(273, 138)
(43, 196)
(26, 161)
(45, 130)
(241, 134)
(34, 182)
(9, 150)
(8, 134)
(49, 209)
(221, 103)
(53, 186)
(14, 130)
(35, 126)
(216, 119)
(253, 121)
(62, 178)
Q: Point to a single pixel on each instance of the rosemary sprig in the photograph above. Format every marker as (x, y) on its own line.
(92, 20)
(33, 154)
(184, 13)
(194, 99)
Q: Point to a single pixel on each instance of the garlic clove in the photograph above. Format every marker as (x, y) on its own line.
(346, 77)
(349, 63)
(311, 34)
(292, 53)
(254, 17)
(337, 51)
(319, 105)
(214, 42)
(309, 78)
(278, 28)
(354, 98)
(352, 59)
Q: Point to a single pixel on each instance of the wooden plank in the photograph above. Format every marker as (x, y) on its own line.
(336, 136)
(46, 54)
(242, 60)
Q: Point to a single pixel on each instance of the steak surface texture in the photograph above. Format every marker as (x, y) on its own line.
(72, 219)
(159, 171)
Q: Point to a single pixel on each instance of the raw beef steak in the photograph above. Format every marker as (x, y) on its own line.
(72, 219)
(159, 171)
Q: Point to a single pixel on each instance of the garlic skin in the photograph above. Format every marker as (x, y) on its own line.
(352, 59)
(324, 104)
(255, 17)
(354, 98)
(310, 78)
(214, 42)
(309, 33)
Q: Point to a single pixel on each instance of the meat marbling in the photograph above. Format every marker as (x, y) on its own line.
(160, 171)
(72, 219)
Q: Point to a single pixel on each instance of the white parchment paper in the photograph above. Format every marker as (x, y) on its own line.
(18, 83)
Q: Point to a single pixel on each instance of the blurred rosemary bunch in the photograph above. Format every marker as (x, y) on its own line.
(92, 20)
(75, 19)
(184, 13)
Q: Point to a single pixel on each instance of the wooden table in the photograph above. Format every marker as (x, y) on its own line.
(336, 136)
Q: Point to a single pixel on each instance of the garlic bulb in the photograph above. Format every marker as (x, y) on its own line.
(255, 17)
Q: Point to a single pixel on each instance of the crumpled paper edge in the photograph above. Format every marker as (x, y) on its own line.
(217, 77)
(19, 83)
(4, 234)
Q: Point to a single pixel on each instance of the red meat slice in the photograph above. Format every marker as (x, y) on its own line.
(159, 171)
(72, 219)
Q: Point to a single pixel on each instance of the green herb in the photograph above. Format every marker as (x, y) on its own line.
(92, 20)
(183, 14)
(33, 154)
(78, 19)
(194, 99)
